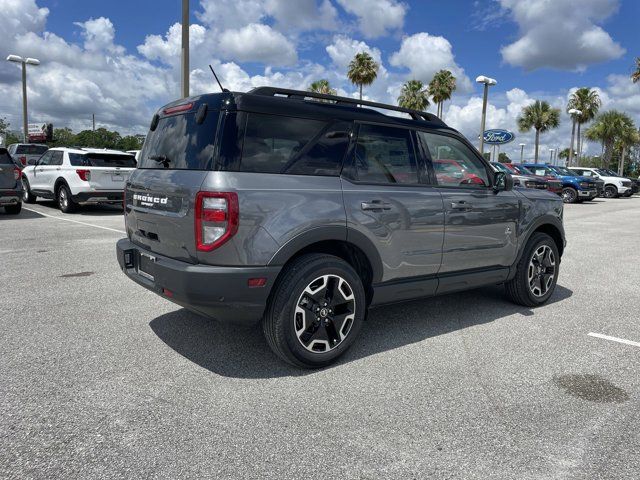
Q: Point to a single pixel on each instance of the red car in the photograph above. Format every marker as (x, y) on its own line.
(553, 184)
(451, 171)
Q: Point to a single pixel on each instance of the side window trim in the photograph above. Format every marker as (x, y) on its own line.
(349, 166)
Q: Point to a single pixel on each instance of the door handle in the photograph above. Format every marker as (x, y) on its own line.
(375, 205)
(462, 205)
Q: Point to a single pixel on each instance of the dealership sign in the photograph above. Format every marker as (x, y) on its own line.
(498, 136)
(37, 132)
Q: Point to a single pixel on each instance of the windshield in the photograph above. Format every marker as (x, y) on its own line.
(501, 167)
(607, 173)
(566, 172)
(541, 171)
(102, 160)
(180, 143)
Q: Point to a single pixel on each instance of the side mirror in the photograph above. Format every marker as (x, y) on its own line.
(502, 181)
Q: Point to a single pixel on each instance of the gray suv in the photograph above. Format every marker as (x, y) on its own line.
(301, 210)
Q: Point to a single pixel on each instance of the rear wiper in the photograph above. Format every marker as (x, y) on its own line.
(163, 159)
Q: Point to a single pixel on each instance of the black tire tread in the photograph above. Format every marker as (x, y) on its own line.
(13, 209)
(31, 198)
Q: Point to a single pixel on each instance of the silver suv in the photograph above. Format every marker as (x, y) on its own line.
(302, 210)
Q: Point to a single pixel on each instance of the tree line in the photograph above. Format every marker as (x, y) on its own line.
(614, 130)
(64, 137)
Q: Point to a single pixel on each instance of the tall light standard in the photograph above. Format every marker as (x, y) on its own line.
(522, 152)
(488, 82)
(24, 62)
(574, 113)
(185, 48)
(551, 150)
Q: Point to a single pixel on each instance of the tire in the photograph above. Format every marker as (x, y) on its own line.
(27, 196)
(569, 195)
(610, 191)
(299, 326)
(13, 209)
(65, 202)
(521, 289)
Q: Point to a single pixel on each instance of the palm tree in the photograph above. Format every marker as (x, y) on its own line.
(540, 116)
(363, 70)
(635, 76)
(441, 88)
(588, 102)
(322, 86)
(413, 95)
(607, 129)
(629, 138)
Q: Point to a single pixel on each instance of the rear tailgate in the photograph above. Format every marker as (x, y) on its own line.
(106, 178)
(8, 171)
(160, 195)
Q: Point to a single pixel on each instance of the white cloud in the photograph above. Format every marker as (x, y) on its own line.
(167, 48)
(376, 17)
(562, 34)
(98, 36)
(344, 48)
(230, 13)
(425, 54)
(257, 43)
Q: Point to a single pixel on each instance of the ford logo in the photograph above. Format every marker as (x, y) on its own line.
(498, 136)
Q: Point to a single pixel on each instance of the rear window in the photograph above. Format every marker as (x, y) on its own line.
(180, 143)
(102, 160)
(288, 145)
(31, 149)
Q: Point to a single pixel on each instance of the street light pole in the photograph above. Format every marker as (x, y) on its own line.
(551, 155)
(24, 62)
(574, 113)
(522, 152)
(488, 82)
(185, 48)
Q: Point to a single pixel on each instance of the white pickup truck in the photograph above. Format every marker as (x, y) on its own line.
(76, 177)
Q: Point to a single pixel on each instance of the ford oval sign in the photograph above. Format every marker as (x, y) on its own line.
(498, 137)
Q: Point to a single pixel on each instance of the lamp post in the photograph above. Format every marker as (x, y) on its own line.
(24, 62)
(488, 82)
(522, 152)
(185, 48)
(551, 150)
(574, 113)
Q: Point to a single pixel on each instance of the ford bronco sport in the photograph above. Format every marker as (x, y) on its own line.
(302, 210)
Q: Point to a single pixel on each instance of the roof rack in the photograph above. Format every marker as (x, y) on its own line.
(302, 95)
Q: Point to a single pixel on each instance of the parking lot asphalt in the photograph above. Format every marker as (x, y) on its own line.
(100, 378)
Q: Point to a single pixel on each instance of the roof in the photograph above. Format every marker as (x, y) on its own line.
(84, 150)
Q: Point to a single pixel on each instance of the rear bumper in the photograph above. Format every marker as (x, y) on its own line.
(10, 197)
(99, 196)
(217, 292)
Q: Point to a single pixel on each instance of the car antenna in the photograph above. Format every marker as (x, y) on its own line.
(216, 77)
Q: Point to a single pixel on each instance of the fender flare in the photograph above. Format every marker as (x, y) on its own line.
(328, 233)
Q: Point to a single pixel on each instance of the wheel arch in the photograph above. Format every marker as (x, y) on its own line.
(59, 181)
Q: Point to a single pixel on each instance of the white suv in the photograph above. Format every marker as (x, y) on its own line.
(78, 177)
(613, 186)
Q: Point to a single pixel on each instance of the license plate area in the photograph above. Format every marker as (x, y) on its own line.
(146, 266)
(117, 177)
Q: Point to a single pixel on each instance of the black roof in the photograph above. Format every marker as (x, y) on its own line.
(304, 104)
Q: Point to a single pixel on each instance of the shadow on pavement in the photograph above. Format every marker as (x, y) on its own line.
(23, 215)
(85, 210)
(242, 352)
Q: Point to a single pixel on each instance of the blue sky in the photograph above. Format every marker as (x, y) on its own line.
(120, 58)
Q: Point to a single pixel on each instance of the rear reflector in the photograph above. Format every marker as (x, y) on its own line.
(167, 293)
(216, 219)
(256, 282)
(23, 160)
(85, 175)
(16, 173)
(178, 108)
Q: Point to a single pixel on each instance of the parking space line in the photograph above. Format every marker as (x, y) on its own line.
(74, 221)
(614, 339)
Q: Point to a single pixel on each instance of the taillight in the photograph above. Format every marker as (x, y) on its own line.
(23, 160)
(85, 175)
(216, 219)
(16, 173)
(185, 107)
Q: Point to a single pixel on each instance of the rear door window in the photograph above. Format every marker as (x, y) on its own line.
(56, 158)
(31, 149)
(179, 142)
(385, 155)
(5, 158)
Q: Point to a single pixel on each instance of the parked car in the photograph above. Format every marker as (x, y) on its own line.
(575, 189)
(27, 153)
(565, 171)
(614, 186)
(553, 184)
(521, 179)
(10, 185)
(76, 177)
(135, 153)
(635, 183)
(304, 210)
